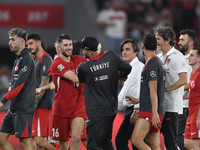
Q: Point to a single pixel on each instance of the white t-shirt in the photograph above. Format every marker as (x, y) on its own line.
(189, 70)
(117, 21)
(131, 85)
(174, 63)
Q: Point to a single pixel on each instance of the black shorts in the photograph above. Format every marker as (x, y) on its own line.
(20, 125)
(99, 133)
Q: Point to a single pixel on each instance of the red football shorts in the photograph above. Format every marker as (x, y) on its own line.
(148, 116)
(191, 130)
(50, 122)
(40, 125)
(61, 126)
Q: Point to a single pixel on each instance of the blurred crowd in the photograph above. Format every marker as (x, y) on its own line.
(5, 73)
(123, 19)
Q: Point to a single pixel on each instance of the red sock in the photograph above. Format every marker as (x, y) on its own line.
(57, 147)
(54, 145)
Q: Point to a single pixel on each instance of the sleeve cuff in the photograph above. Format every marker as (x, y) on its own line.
(4, 100)
(137, 105)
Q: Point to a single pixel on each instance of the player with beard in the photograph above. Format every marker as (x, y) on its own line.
(69, 105)
(43, 100)
(186, 44)
(100, 75)
(76, 51)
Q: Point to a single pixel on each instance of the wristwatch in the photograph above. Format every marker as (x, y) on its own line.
(135, 112)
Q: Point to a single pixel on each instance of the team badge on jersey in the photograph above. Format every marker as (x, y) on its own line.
(24, 69)
(192, 83)
(16, 68)
(61, 67)
(153, 74)
(168, 61)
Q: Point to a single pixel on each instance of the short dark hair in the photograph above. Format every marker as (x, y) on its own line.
(33, 36)
(62, 37)
(150, 42)
(198, 50)
(135, 45)
(191, 34)
(166, 33)
(19, 33)
(36, 37)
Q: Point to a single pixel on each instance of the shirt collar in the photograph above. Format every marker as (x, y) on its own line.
(97, 56)
(171, 51)
(186, 56)
(133, 61)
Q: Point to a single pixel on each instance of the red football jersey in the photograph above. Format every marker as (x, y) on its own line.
(69, 96)
(194, 85)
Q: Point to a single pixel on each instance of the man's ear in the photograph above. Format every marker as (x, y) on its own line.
(23, 42)
(168, 40)
(191, 43)
(39, 43)
(91, 52)
(198, 58)
(143, 46)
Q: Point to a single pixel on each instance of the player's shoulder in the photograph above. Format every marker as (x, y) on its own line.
(47, 56)
(155, 61)
(57, 61)
(27, 58)
(78, 57)
(109, 54)
(176, 53)
(84, 63)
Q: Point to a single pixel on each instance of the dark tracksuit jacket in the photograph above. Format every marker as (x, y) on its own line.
(100, 76)
(23, 83)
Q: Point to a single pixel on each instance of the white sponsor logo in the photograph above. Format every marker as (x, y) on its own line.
(4, 15)
(183, 64)
(192, 84)
(16, 132)
(168, 118)
(153, 73)
(96, 79)
(37, 16)
(193, 133)
(87, 121)
(44, 68)
(87, 47)
(24, 69)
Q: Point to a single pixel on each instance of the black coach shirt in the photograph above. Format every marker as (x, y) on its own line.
(100, 76)
(42, 66)
(22, 90)
(153, 70)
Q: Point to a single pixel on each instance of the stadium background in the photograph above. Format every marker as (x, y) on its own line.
(49, 18)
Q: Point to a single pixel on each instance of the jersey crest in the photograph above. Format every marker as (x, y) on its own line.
(168, 61)
(61, 67)
(16, 68)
